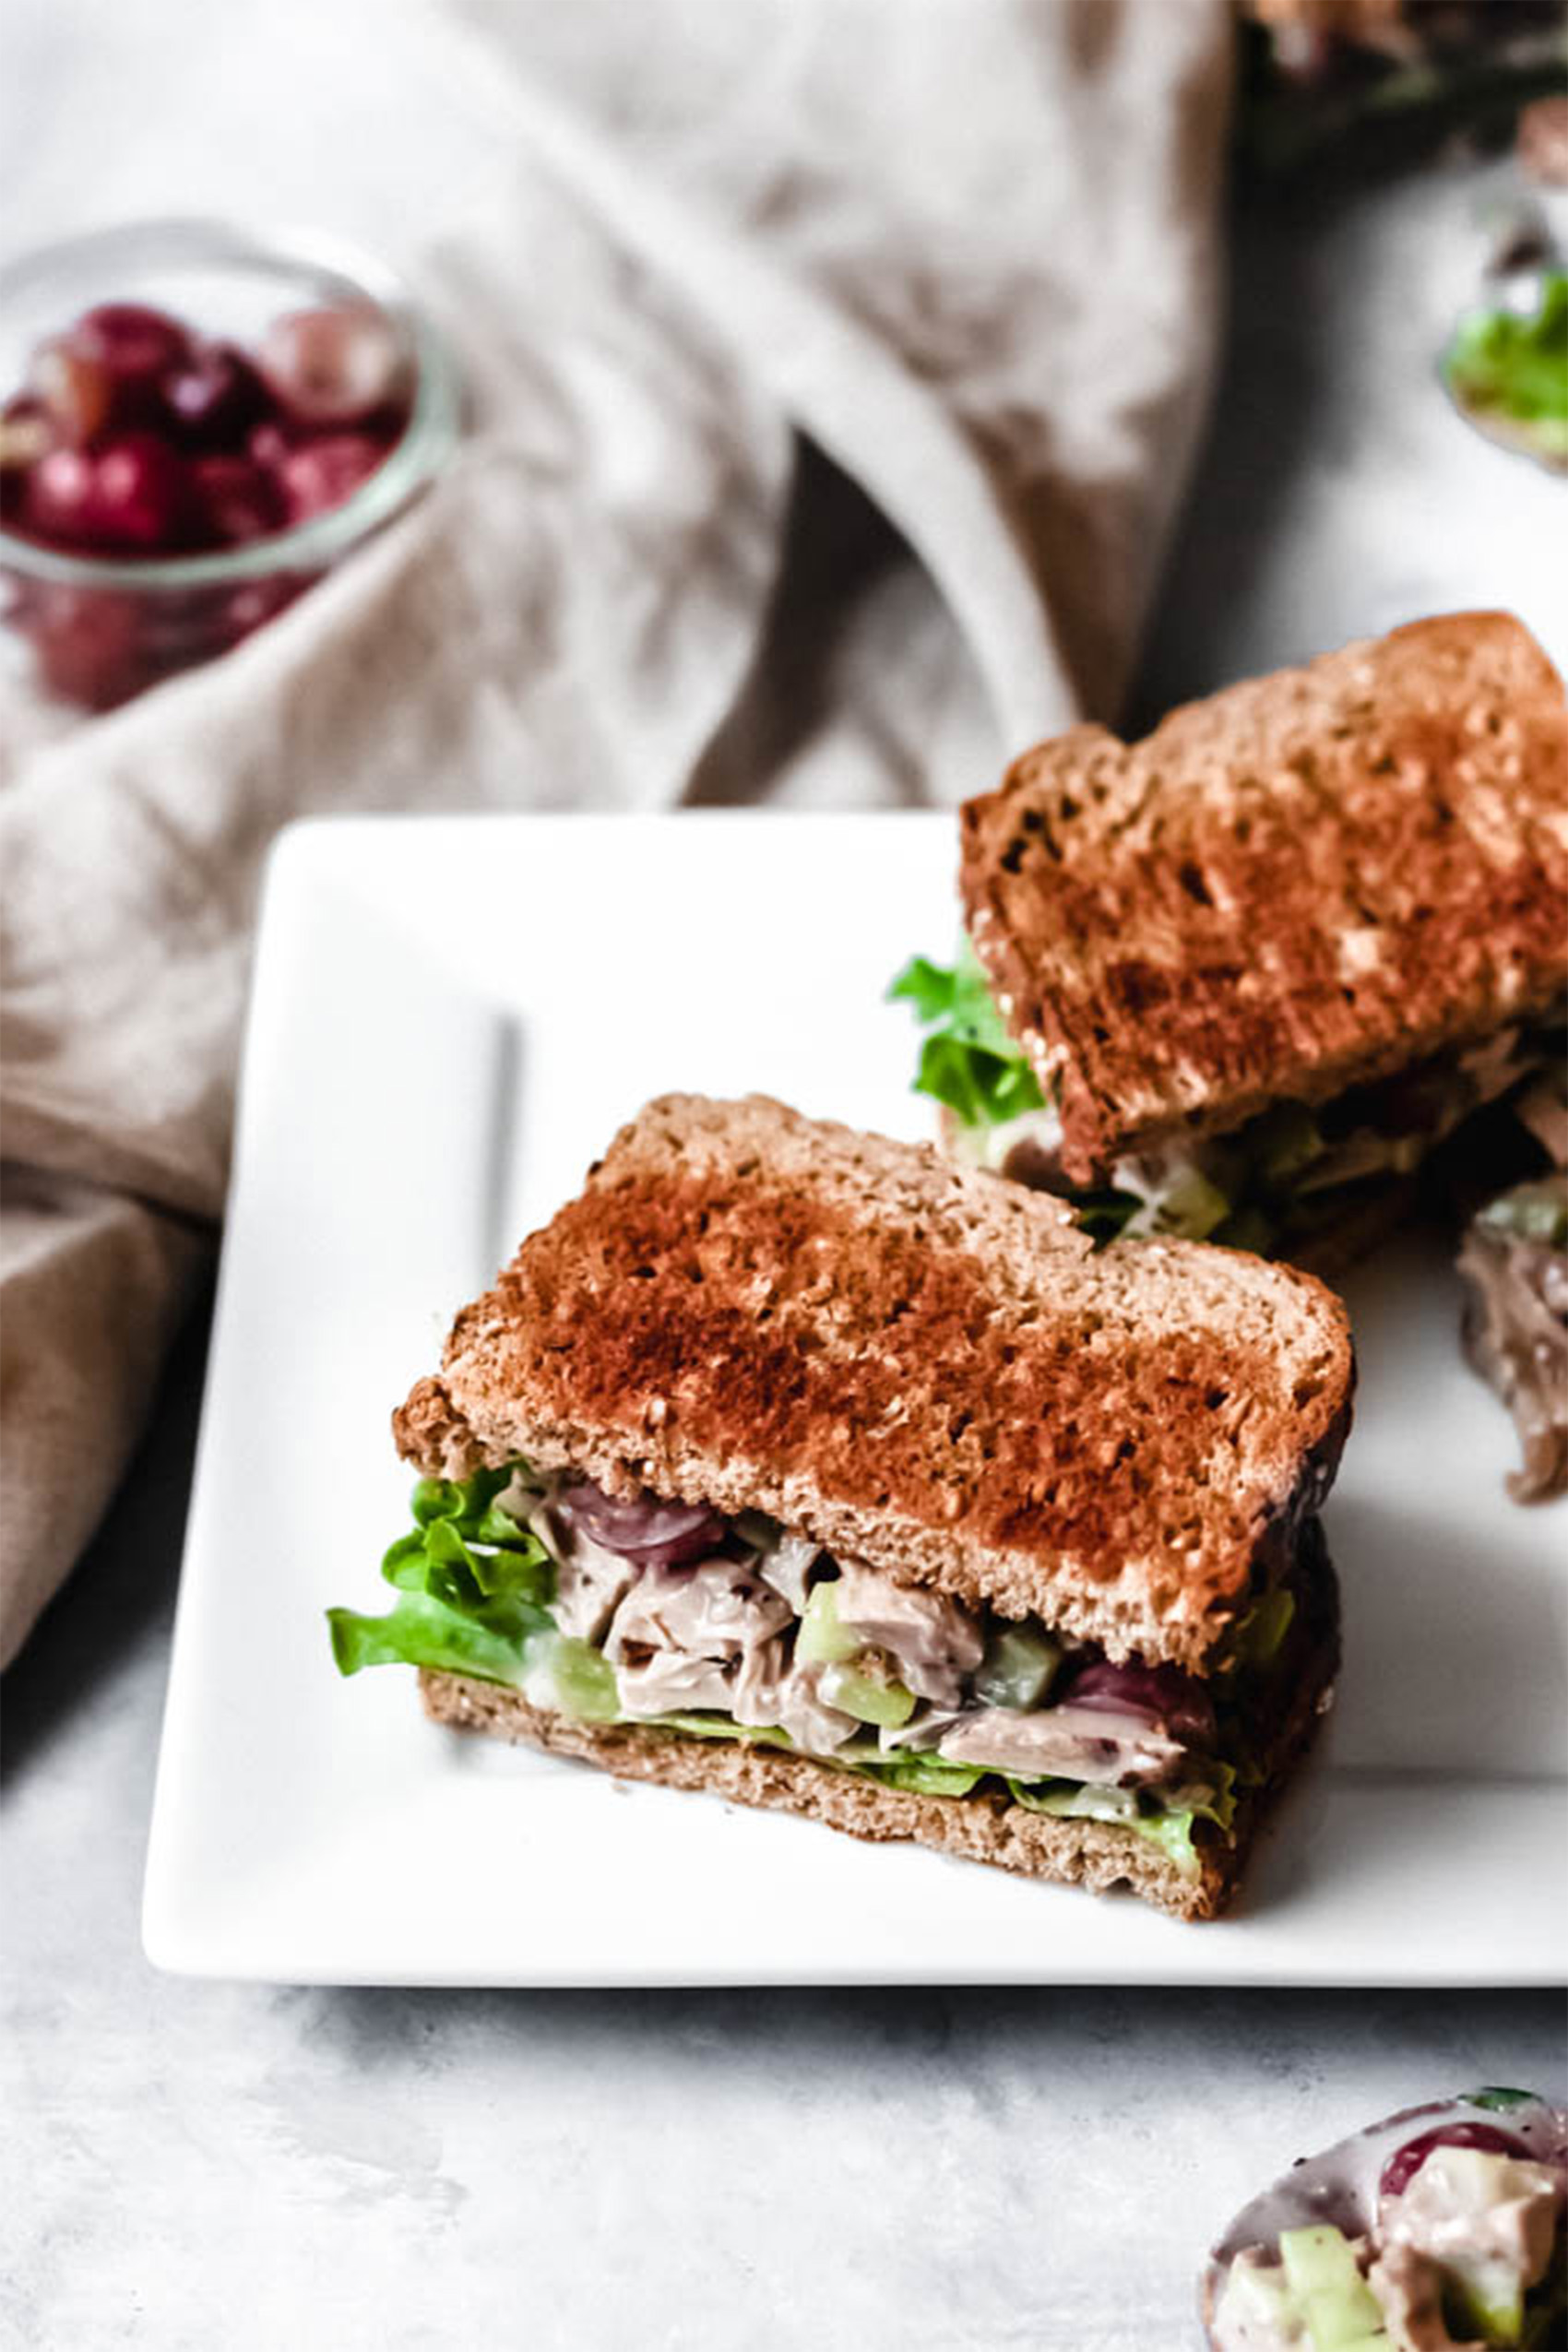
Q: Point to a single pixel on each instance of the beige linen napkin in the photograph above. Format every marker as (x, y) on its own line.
(834, 370)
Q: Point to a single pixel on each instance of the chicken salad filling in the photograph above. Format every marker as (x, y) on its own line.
(665, 1615)
(1288, 1172)
(1439, 2230)
(1513, 1260)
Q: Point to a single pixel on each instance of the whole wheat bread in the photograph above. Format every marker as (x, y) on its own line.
(913, 1364)
(1304, 883)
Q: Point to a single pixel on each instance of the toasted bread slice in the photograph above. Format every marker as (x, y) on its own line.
(985, 1826)
(915, 1365)
(1306, 882)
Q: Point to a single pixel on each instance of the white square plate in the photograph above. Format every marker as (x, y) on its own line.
(450, 1018)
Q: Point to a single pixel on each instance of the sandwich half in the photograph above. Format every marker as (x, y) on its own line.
(803, 1466)
(1240, 979)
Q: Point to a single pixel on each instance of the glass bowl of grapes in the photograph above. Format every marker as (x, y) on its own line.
(196, 423)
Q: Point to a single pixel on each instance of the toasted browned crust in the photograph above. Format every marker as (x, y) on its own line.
(1302, 883)
(986, 1826)
(913, 1364)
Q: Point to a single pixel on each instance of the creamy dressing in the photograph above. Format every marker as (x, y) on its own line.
(1339, 2188)
(722, 1635)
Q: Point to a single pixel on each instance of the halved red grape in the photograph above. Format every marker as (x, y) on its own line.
(654, 1533)
(1163, 1695)
(1406, 2162)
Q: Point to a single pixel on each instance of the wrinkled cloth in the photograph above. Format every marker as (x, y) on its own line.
(833, 368)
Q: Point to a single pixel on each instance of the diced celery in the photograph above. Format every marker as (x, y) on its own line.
(1491, 2308)
(1535, 1212)
(1191, 1207)
(887, 1704)
(584, 1677)
(1019, 1668)
(822, 1640)
(1342, 2314)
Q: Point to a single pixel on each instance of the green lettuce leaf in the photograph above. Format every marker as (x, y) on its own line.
(582, 1678)
(1075, 1800)
(1168, 1828)
(1216, 1804)
(1173, 1833)
(473, 1589)
(972, 1067)
(719, 1726)
(421, 1630)
(925, 1776)
(968, 1061)
(1514, 365)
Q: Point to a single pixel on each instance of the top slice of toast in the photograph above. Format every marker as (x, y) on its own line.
(916, 1365)
(1305, 883)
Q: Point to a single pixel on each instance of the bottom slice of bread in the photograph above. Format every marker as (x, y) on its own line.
(984, 1827)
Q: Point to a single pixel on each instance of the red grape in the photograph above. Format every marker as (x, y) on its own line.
(74, 389)
(133, 344)
(324, 473)
(655, 1534)
(58, 503)
(235, 499)
(333, 367)
(134, 437)
(1406, 2162)
(213, 401)
(1162, 1693)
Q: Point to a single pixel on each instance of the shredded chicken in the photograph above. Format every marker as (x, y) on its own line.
(1516, 1334)
(591, 1583)
(932, 1642)
(787, 1565)
(688, 1637)
(1064, 1742)
(799, 1708)
(1508, 2231)
(717, 1635)
(1409, 2288)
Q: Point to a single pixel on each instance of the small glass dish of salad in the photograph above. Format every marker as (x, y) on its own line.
(196, 423)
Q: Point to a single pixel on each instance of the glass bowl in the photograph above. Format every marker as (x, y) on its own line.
(98, 629)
